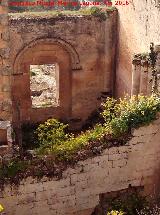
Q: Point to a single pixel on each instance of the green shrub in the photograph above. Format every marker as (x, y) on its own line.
(115, 213)
(50, 133)
(122, 115)
(74, 144)
(51, 137)
(129, 204)
(68, 146)
(97, 12)
(11, 169)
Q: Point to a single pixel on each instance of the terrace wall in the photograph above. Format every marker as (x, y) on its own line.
(77, 193)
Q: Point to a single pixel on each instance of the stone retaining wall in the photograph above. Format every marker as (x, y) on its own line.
(77, 193)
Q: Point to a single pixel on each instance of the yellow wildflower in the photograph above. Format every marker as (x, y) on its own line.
(1, 208)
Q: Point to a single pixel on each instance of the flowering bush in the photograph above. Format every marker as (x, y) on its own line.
(115, 213)
(50, 133)
(68, 146)
(122, 115)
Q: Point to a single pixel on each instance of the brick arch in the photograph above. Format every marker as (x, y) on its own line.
(75, 61)
(43, 51)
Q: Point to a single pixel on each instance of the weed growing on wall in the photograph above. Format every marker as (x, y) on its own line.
(67, 145)
(11, 169)
(98, 12)
(130, 205)
(114, 212)
(55, 145)
(120, 116)
(50, 133)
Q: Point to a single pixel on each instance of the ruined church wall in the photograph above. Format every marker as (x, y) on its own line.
(5, 69)
(94, 42)
(136, 164)
(138, 26)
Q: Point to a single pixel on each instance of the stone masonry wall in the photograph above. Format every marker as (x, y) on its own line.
(77, 193)
(84, 48)
(142, 80)
(5, 80)
(5, 70)
(138, 26)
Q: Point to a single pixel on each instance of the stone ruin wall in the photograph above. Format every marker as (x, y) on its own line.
(5, 75)
(136, 164)
(95, 54)
(138, 26)
(5, 70)
(84, 48)
(142, 79)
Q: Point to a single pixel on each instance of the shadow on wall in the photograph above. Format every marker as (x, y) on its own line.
(125, 198)
(124, 63)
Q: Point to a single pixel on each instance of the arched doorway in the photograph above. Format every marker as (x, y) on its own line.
(42, 52)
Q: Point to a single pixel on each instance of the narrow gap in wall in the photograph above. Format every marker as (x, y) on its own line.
(3, 137)
(44, 85)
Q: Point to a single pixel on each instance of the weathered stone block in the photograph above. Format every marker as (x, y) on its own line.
(5, 35)
(5, 70)
(113, 157)
(26, 199)
(4, 19)
(146, 130)
(6, 105)
(4, 53)
(119, 163)
(31, 188)
(6, 88)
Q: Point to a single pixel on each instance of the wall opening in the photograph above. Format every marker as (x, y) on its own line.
(3, 137)
(57, 103)
(44, 85)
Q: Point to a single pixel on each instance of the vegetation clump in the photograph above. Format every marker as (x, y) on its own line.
(129, 205)
(119, 117)
(51, 133)
(122, 115)
(114, 212)
(98, 12)
(56, 146)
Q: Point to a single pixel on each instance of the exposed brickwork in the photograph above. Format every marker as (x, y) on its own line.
(77, 193)
(5, 73)
(83, 47)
